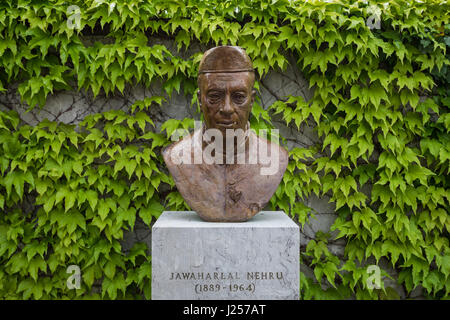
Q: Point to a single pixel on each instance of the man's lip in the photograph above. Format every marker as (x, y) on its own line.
(226, 123)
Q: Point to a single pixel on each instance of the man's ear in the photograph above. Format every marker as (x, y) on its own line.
(253, 95)
(251, 103)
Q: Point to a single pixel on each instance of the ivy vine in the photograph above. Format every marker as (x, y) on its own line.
(380, 108)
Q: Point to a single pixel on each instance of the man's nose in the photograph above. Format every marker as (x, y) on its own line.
(227, 107)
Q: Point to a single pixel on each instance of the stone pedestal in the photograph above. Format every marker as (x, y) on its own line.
(197, 260)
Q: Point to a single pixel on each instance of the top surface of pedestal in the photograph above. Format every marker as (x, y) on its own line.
(189, 219)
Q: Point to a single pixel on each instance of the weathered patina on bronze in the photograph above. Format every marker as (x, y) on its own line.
(227, 190)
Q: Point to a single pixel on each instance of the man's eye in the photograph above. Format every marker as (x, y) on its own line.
(213, 98)
(239, 98)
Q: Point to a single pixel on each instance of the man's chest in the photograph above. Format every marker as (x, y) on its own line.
(224, 190)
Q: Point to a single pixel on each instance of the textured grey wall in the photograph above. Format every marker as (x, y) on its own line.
(72, 107)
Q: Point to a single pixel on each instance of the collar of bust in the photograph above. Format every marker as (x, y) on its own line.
(243, 146)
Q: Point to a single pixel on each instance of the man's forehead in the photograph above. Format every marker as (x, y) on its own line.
(242, 79)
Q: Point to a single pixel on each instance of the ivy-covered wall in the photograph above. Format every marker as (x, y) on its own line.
(359, 91)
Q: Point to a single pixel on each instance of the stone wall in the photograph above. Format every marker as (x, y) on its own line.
(72, 107)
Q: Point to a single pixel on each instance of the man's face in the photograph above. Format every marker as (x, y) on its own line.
(226, 99)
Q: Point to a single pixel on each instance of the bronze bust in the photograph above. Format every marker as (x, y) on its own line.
(234, 184)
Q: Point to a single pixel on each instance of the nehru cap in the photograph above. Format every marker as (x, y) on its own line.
(225, 59)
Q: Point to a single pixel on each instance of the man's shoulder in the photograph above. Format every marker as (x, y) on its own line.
(178, 148)
(271, 146)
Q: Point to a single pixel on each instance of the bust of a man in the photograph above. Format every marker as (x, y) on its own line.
(223, 170)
